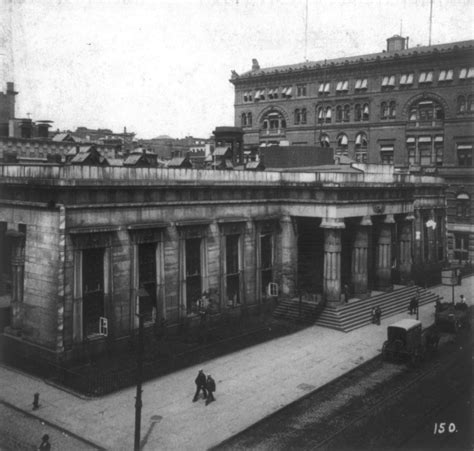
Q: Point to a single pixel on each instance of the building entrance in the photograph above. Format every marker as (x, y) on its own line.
(310, 256)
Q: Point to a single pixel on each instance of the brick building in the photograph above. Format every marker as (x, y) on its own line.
(408, 107)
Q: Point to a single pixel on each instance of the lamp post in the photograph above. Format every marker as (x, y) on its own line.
(138, 398)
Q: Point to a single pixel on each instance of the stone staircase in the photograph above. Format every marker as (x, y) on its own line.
(356, 313)
(297, 311)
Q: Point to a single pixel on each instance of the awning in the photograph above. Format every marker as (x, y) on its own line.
(328, 112)
(429, 76)
(464, 147)
(364, 83)
(410, 140)
(391, 80)
(462, 196)
(449, 75)
(343, 140)
(326, 87)
(422, 77)
(424, 139)
(366, 109)
(463, 73)
(439, 139)
(93, 229)
(358, 84)
(288, 91)
(409, 79)
(345, 86)
(321, 87)
(385, 81)
(442, 75)
(386, 148)
(403, 79)
(145, 225)
(283, 91)
(470, 74)
(339, 86)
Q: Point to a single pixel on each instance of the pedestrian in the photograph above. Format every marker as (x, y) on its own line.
(373, 314)
(211, 388)
(45, 445)
(378, 315)
(462, 300)
(200, 382)
(347, 293)
(412, 305)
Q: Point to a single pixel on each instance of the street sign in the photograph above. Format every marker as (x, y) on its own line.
(448, 277)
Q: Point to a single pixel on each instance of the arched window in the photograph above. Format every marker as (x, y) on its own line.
(361, 140)
(324, 140)
(383, 110)
(365, 112)
(249, 119)
(392, 110)
(426, 111)
(339, 113)
(347, 112)
(273, 121)
(357, 112)
(342, 140)
(320, 114)
(463, 205)
(328, 114)
(243, 120)
(461, 104)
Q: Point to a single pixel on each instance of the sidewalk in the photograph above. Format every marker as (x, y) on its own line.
(251, 384)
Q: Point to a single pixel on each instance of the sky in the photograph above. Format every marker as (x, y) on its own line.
(163, 67)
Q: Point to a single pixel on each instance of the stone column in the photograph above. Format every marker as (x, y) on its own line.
(405, 249)
(18, 270)
(383, 270)
(359, 257)
(332, 259)
(289, 258)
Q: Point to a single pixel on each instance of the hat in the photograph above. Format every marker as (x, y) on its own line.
(45, 437)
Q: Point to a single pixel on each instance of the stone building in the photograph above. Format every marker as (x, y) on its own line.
(408, 107)
(84, 248)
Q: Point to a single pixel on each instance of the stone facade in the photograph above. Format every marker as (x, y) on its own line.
(95, 243)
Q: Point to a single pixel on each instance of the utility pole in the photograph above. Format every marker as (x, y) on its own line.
(138, 398)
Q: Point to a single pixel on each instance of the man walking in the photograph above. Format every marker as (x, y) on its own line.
(200, 382)
(211, 388)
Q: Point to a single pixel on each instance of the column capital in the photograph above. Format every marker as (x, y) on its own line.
(332, 223)
(366, 221)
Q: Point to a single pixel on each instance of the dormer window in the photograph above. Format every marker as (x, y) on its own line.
(425, 77)
(406, 80)
(273, 93)
(361, 84)
(301, 91)
(388, 82)
(342, 86)
(445, 76)
(286, 92)
(466, 73)
(324, 88)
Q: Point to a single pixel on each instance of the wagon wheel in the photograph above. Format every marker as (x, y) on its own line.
(398, 350)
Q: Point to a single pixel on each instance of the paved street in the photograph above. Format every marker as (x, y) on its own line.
(251, 384)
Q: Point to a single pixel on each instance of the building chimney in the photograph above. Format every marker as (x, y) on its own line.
(396, 43)
(255, 65)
